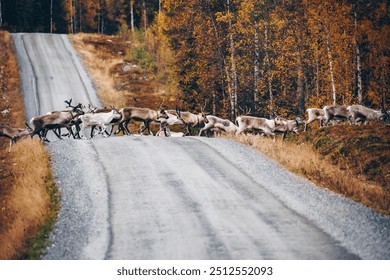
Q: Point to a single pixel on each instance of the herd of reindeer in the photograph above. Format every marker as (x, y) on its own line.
(78, 118)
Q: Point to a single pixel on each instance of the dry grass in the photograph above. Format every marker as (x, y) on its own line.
(104, 57)
(305, 160)
(99, 61)
(25, 208)
(25, 185)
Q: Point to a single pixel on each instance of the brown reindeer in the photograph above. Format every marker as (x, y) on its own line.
(56, 120)
(13, 134)
(144, 115)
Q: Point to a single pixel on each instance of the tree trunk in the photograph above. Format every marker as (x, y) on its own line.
(222, 61)
(317, 78)
(132, 15)
(71, 16)
(358, 66)
(256, 68)
(267, 66)
(300, 84)
(233, 70)
(330, 58)
(144, 16)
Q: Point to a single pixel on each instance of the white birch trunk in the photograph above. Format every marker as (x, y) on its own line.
(267, 65)
(132, 15)
(330, 58)
(256, 68)
(358, 66)
(233, 71)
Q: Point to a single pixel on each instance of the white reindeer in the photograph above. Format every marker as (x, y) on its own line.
(100, 120)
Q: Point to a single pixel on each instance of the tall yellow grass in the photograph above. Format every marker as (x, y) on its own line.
(305, 160)
(28, 201)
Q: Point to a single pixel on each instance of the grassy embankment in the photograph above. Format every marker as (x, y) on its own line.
(28, 197)
(350, 160)
(353, 161)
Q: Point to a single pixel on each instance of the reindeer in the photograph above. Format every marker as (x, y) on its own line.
(363, 114)
(288, 126)
(101, 120)
(165, 122)
(314, 114)
(55, 120)
(191, 120)
(114, 121)
(254, 124)
(144, 115)
(337, 113)
(217, 124)
(13, 134)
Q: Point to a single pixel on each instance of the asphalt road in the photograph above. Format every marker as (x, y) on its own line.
(181, 198)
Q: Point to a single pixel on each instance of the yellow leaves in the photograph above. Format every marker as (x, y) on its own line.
(224, 17)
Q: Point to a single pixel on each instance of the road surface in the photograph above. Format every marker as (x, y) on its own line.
(132, 197)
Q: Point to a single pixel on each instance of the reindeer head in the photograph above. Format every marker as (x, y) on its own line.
(75, 109)
(162, 114)
(278, 120)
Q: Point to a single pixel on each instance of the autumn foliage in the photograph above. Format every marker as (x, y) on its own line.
(268, 55)
(279, 56)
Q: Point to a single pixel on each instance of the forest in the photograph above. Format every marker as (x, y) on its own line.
(270, 56)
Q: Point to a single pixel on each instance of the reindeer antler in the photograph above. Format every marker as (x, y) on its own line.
(68, 102)
(161, 103)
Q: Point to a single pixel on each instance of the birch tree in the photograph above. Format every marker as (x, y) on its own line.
(233, 70)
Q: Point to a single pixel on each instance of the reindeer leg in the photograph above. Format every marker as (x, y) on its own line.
(104, 132)
(58, 135)
(144, 127)
(10, 144)
(108, 134)
(43, 135)
(125, 129)
(188, 130)
(81, 132)
(148, 126)
(69, 128)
